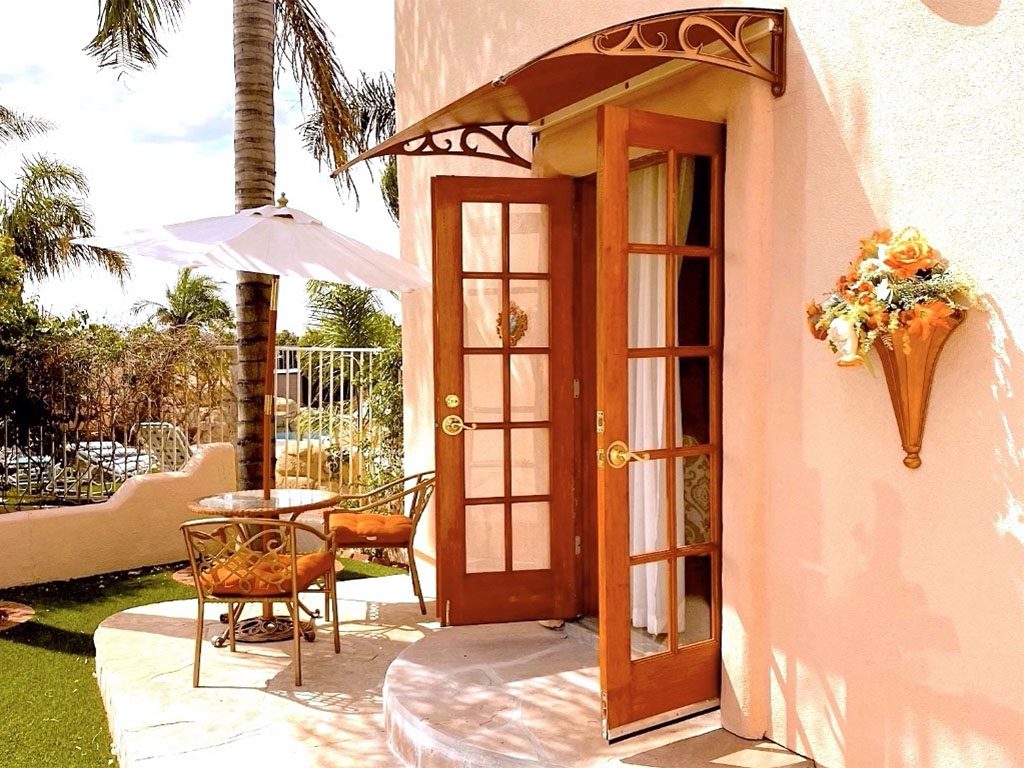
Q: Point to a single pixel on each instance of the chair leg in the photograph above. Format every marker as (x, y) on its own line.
(332, 597)
(333, 580)
(293, 607)
(231, 625)
(199, 646)
(416, 580)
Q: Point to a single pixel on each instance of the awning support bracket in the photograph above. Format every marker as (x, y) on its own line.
(489, 141)
(638, 42)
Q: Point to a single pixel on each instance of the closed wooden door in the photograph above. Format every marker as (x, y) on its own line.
(504, 398)
(659, 356)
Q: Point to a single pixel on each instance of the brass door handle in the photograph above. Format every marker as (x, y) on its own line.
(619, 455)
(452, 424)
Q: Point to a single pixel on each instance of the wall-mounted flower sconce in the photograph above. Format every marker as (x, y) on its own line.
(901, 298)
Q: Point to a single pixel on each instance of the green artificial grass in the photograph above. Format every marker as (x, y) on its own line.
(51, 713)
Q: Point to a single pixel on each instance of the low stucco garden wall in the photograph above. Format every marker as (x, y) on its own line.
(137, 526)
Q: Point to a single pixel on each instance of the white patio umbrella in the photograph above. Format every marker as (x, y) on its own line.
(275, 241)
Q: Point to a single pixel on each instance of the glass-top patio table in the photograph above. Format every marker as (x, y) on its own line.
(283, 501)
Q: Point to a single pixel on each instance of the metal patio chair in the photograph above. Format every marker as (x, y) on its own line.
(385, 517)
(239, 560)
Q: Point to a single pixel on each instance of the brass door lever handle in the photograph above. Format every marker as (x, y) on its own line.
(619, 455)
(452, 424)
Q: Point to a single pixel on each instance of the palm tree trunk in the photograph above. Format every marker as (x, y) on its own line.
(254, 27)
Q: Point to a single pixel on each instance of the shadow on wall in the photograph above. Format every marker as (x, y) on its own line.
(968, 14)
(897, 612)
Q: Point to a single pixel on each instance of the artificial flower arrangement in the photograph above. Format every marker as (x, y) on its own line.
(897, 282)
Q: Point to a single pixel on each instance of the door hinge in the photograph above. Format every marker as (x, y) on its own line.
(600, 422)
(576, 388)
(447, 613)
(579, 547)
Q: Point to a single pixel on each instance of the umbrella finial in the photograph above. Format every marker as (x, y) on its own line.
(282, 201)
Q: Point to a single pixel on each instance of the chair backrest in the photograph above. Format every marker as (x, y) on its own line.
(408, 496)
(165, 442)
(422, 489)
(244, 555)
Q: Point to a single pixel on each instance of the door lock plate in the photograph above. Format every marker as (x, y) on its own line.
(452, 401)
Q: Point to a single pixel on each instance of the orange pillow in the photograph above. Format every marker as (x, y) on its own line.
(269, 577)
(370, 530)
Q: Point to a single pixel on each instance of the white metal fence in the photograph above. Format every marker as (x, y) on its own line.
(122, 424)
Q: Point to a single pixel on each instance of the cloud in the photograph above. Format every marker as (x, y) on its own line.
(215, 128)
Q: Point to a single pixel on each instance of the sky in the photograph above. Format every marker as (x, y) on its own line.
(156, 145)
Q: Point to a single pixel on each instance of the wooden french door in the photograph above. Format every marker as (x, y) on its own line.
(503, 406)
(659, 357)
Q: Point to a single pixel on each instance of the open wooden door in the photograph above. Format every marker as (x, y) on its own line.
(659, 356)
(503, 386)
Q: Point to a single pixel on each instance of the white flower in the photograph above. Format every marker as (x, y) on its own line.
(870, 267)
(882, 291)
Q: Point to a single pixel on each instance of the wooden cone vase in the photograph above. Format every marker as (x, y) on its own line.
(909, 367)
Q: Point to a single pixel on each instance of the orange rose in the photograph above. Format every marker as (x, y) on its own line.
(909, 253)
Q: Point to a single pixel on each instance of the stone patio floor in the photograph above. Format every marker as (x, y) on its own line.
(498, 695)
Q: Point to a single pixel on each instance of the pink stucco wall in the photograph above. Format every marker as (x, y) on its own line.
(873, 615)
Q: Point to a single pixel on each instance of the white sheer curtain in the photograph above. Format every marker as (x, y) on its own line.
(647, 428)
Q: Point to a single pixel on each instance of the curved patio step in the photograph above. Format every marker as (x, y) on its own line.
(510, 695)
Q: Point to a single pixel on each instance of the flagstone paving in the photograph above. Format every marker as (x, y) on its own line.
(500, 695)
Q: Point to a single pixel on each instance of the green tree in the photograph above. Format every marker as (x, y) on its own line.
(193, 300)
(347, 316)
(45, 207)
(268, 34)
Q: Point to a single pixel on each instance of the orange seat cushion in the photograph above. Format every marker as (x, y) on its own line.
(369, 530)
(266, 579)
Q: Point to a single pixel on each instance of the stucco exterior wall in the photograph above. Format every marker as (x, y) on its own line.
(137, 526)
(873, 615)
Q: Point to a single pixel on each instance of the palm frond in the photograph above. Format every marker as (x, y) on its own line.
(304, 44)
(128, 32)
(15, 125)
(371, 102)
(389, 186)
(44, 211)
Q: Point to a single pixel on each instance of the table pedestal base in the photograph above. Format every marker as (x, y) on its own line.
(266, 629)
(260, 629)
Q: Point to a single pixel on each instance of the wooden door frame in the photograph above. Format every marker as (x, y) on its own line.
(536, 593)
(585, 305)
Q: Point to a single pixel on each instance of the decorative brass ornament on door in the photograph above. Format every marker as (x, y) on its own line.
(518, 323)
(619, 455)
(453, 424)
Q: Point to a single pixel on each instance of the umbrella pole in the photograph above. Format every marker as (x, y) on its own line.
(268, 389)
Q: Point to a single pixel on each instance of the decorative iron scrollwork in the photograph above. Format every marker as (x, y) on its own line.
(489, 141)
(694, 33)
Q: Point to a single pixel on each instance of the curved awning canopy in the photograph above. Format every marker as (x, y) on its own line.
(479, 124)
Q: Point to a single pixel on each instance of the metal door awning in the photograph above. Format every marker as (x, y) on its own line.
(479, 123)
